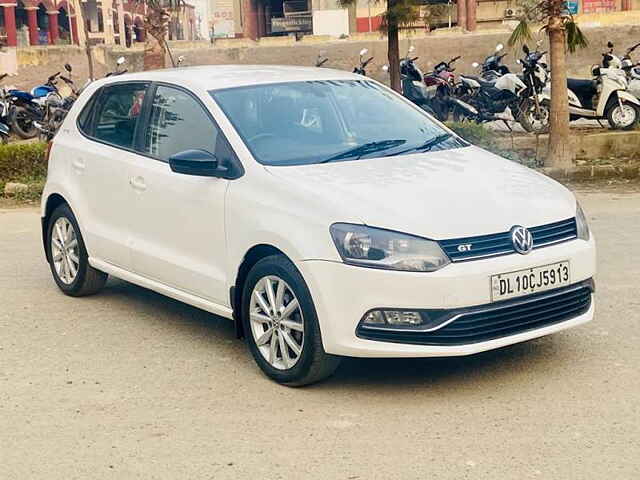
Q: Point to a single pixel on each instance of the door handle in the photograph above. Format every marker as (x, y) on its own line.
(138, 183)
(78, 165)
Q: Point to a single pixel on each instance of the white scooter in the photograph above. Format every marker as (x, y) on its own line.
(604, 97)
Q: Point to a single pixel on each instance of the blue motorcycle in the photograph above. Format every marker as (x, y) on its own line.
(30, 107)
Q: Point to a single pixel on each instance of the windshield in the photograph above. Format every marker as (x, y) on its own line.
(302, 123)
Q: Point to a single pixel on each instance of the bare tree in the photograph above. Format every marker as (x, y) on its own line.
(156, 24)
(564, 35)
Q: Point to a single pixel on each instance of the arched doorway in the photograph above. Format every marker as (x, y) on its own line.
(64, 25)
(138, 29)
(127, 29)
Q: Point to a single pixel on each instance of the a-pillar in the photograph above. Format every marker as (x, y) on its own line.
(74, 29)
(54, 30)
(250, 19)
(32, 20)
(10, 24)
(462, 14)
(472, 5)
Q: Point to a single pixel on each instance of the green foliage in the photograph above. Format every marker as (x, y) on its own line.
(22, 160)
(521, 34)
(575, 37)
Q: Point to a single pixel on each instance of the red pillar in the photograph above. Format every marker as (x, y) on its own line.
(32, 18)
(10, 25)
(471, 15)
(74, 30)
(250, 20)
(54, 31)
(462, 14)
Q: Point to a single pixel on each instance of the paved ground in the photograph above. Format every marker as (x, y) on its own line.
(128, 384)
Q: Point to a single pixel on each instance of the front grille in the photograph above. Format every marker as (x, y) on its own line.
(496, 320)
(500, 243)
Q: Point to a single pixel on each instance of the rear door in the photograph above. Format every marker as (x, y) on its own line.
(100, 161)
(179, 235)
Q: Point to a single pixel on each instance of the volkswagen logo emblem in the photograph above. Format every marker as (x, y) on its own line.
(521, 239)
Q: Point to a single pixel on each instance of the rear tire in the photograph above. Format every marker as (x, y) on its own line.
(68, 258)
(22, 123)
(291, 352)
(625, 118)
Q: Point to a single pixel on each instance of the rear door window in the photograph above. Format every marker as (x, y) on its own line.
(117, 114)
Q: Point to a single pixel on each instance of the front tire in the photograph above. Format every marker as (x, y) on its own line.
(68, 258)
(281, 325)
(625, 117)
(532, 119)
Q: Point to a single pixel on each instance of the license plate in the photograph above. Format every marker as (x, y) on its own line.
(531, 280)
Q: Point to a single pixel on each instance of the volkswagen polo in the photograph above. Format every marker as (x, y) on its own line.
(321, 211)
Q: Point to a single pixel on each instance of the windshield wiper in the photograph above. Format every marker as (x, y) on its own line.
(365, 149)
(426, 146)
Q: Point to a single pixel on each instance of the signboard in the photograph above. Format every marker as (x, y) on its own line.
(598, 6)
(571, 6)
(291, 24)
(222, 22)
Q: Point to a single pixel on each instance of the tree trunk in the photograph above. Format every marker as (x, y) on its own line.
(393, 47)
(155, 47)
(560, 149)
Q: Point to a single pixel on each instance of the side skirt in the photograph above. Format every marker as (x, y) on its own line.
(171, 292)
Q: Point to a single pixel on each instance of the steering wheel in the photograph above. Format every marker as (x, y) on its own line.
(260, 136)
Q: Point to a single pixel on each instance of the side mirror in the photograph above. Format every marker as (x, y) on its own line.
(196, 162)
(363, 52)
(525, 49)
(120, 60)
(412, 49)
(475, 64)
(609, 44)
(67, 67)
(499, 47)
(385, 68)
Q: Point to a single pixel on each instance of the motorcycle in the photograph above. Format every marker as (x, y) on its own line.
(431, 93)
(632, 70)
(28, 107)
(56, 109)
(361, 68)
(492, 99)
(5, 108)
(535, 107)
(119, 62)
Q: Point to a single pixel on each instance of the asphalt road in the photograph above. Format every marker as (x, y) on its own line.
(129, 384)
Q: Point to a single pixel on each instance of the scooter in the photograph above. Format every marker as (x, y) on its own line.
(605, 96)
(361, 68)
(633, 71)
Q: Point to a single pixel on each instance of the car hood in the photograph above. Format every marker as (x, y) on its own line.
(443, 194)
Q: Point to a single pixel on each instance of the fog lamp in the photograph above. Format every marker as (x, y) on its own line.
(393, 318)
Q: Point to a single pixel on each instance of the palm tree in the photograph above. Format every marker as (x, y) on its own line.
(398, 13)
(564, 35)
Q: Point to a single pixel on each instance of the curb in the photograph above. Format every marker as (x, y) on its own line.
(594, 172)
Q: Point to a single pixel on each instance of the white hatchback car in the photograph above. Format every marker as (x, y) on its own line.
(324, 213)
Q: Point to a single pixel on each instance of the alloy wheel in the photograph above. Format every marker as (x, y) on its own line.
(64, 251)
(277, 324)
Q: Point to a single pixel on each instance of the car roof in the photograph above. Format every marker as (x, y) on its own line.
(215, 77)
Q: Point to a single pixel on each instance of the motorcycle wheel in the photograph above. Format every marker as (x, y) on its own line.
(532, 120)
(22, 123)
(624, 117)
(458, 114)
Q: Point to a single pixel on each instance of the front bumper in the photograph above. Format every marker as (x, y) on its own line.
(343, 293)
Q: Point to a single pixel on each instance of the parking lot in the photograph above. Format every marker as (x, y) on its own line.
(129, 384)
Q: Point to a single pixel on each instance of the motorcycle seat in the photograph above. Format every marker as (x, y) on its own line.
(581, 87)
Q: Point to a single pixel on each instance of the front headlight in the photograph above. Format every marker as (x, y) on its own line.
(377, 248)
(581, 224)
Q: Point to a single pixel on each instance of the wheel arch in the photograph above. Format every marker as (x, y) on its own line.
(53, 201)
(251, 257)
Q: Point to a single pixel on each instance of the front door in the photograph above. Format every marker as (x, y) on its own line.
(178, 230)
